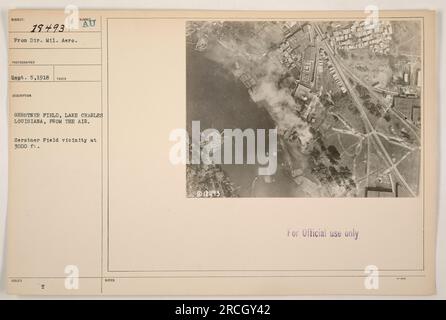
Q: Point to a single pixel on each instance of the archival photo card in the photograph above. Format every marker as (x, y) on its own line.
(222, 152)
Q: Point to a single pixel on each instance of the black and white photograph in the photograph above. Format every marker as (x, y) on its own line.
(343, 97)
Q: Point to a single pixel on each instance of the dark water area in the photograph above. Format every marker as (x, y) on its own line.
(220, 101)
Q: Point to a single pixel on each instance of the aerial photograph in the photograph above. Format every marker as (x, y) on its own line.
(344, 96)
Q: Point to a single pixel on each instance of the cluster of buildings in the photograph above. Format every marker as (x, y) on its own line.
(310, 109)
(409, 107)
(412, 81)
(296, 52)
(291, 49)
(332, 70)
(248, 80)
(290, 27)
(290, 57)
(360, 35)
(408, 101)
(300, 61)
(308, 65)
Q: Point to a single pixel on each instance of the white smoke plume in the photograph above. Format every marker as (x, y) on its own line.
(246, 57)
